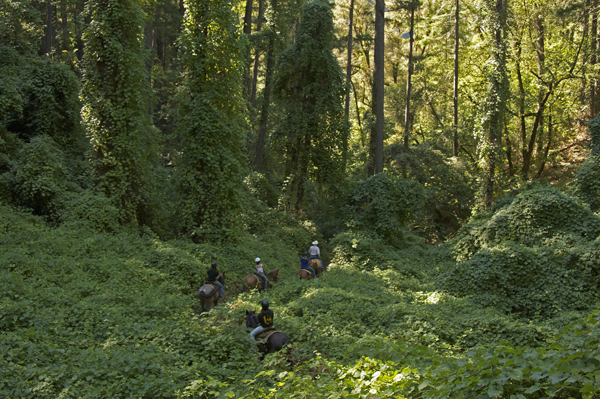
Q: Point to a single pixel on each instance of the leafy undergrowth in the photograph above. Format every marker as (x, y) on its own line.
(89, 314)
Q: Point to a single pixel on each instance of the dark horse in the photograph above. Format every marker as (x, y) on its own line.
(209, 293)
(251, 280)
(274, 343)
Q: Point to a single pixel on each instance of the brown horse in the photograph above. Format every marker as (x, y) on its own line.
(209, 293)
(305, 274)
(251, 281)
(316, 266)
(275, 342)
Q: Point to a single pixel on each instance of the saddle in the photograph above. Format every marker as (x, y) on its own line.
(204, 290)
(260, 279)
(266, 333)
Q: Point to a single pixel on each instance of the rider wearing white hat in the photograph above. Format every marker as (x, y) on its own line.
(315, 253)
(260, 270)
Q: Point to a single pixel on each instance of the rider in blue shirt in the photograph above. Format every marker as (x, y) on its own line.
(304, 265)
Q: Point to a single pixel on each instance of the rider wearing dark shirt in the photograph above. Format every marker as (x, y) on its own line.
(212, 278)
(265, 318)
(212, 275)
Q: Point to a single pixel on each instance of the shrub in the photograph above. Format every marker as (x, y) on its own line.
(95, 210)
(448, 183)
(533, 256)
(383, 204)
(528, 281)
(536, 216)
(39, 175)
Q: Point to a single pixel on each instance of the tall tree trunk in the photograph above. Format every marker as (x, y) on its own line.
(247, 32)
(248, 18)
(372, 129)
(594, 106)
(50, 32)
(455, 95)
(409, 77)
(541, 55)
(548, 144)
(379, 75)
(64, 30)
(523, 124)
(496, 77)
(538, 124)
(508, 149)
(264, 114)
(257, 53)
(348, 86)
(80, 4)
(360, 127)
(150, 44)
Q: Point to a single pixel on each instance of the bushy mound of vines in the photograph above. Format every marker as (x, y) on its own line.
(535, 255)
(587, 182)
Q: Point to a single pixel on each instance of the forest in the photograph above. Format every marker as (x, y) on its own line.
(445, 154)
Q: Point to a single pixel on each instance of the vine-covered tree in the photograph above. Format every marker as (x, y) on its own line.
(212, 119)
(114, 91)
(497, 86)
(311, 87)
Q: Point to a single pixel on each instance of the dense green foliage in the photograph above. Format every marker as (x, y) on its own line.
(126, 133)
(115, 110)
(587, 181)
(210, 171)
(528, 257)
(87, 314)
(448, 184)
(310, 84)
(382, 204)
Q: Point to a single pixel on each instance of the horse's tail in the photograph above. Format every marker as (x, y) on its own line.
(286, 340)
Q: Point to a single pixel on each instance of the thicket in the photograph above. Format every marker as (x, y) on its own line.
(534, 256)
(91, 314)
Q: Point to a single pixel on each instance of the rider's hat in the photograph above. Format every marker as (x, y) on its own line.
(265, 304)
(315, 242)
(257, 260)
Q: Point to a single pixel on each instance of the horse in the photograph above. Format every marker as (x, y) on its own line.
(316, 266)
(209, 293)
(251, 281)
(275, 342)
(304, 274)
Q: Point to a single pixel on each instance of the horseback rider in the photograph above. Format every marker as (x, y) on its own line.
(212, 278)
(304, 265)
(315, 253)
(265, 318)
(260, 270)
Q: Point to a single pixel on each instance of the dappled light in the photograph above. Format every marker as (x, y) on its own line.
(300, 199)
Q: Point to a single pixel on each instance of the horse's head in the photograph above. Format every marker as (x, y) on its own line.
(251, 319)
(221, 278)
(274, 274)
